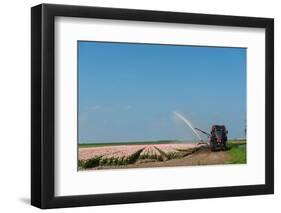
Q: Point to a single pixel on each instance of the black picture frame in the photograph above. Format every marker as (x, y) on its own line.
(43, 101)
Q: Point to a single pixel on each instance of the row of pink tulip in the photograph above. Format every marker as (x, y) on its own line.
(125, 154)
(150, 152)
(109, 151)
(171, 151)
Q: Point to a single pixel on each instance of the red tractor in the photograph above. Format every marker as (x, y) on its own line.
(217, 137)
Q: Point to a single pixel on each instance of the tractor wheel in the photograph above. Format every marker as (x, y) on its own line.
(224, 146)
(212, 147)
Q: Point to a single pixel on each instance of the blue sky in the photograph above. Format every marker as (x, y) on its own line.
(128, 92)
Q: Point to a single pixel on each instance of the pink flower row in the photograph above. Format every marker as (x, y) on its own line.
(150, 151)
(171, 148)
(109, 151)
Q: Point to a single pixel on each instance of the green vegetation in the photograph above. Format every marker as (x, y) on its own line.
(151, 157)
(237, 151)
(89, 163)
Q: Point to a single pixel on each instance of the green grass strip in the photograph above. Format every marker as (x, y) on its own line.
(238, 154)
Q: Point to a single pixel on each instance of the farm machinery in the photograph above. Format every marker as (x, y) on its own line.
(217, 137)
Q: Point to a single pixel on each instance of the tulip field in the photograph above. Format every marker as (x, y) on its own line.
(118, 155)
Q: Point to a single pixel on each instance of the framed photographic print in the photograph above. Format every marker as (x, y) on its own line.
(139, 106)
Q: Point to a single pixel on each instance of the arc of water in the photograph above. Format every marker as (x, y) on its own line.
(188, 123)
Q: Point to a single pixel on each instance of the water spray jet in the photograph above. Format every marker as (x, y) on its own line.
(188, 123)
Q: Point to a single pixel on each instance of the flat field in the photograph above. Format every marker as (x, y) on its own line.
(156, 154)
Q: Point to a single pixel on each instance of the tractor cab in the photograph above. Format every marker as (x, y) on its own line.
(218, 137)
